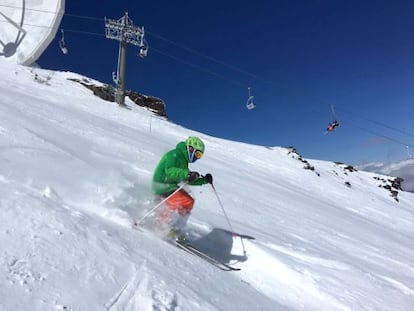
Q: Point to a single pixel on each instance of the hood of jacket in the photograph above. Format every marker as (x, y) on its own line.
(182, 147)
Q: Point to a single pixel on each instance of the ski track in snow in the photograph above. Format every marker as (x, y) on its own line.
(143, 293)
(400, 286)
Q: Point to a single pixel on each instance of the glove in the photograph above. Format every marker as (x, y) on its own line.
(193, 176)
(209, 178)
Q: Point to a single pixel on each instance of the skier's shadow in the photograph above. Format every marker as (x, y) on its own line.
(218, 244)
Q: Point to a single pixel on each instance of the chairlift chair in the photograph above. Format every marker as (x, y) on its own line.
(249, 104)
(62, 46)
(144, 49)
(143, 52)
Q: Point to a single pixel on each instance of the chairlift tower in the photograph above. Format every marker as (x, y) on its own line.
(126, 33)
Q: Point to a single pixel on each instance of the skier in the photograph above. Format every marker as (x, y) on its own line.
(171, 170)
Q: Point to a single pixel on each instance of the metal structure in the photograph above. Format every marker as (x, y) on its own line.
(126, 33)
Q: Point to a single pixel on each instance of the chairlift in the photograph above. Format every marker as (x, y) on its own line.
(144, 50)
(334, 121)
(62, 46)
(115, 77)
(249, 104)
(409, 154)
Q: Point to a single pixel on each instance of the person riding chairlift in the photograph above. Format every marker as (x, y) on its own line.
(332, 126)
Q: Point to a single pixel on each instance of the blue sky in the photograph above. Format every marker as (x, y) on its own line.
(298, 57)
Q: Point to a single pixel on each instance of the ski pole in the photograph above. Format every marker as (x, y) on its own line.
(227, 218)
(159, 204)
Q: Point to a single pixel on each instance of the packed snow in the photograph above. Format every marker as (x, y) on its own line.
(75, 173)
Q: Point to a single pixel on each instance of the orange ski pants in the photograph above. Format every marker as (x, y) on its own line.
(180, 202)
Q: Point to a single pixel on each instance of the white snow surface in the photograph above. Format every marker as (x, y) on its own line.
(75, 172)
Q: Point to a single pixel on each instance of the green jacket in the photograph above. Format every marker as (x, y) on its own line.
(173, 169)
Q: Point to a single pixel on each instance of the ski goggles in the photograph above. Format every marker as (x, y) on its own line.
(194, 154)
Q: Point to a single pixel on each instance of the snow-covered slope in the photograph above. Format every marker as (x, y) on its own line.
(75, 172)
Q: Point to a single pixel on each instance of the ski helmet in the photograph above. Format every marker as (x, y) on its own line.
(195, 148)
(195, 142)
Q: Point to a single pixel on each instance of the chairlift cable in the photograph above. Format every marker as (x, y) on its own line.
(156, 50)
(198, 67)
(99, 19)
(153, 49)
(26, 9)
(151, 34)
(232, 67)
(380, 135)
(52, 12)
(379, 123)
(206, 56)
(159, 51)
(85, 32)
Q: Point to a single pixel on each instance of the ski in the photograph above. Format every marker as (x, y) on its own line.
(186, 246)
(191, 249)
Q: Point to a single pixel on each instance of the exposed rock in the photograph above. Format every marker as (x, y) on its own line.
(296, 155)
(392, 185)
(396, 183)
(346, 167)
(350, 168)
(107, 92)
(150, 102)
